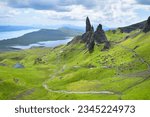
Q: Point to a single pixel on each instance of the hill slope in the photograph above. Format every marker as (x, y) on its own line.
(70, 72)
(133, 27)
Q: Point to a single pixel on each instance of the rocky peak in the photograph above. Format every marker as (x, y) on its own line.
(147, 26)
(148, 21)
(99, 35)
(88, 25)
(99, 28)
(90, 37)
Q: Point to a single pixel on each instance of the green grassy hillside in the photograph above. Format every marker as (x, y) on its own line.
(70, 72)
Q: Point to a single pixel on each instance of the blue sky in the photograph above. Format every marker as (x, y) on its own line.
(57, 13)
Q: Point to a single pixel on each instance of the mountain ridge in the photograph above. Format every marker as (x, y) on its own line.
(130, 28)
(38, 36)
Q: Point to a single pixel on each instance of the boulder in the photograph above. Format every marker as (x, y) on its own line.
(106, 46)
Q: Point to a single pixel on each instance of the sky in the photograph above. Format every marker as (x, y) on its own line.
(57, 13)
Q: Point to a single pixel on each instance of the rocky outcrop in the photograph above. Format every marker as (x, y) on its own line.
(88, 25)
(99, 35)
(106, 46)
(147, 26)
(90, 42)
(132, 27)
(90, 38)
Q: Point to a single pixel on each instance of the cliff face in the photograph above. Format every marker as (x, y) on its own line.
(88, 25)
(99, 35)
(147, 26)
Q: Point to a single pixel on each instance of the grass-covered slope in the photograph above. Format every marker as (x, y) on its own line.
(70, 72)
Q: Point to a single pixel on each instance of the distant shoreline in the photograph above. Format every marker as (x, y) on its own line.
(15, 34)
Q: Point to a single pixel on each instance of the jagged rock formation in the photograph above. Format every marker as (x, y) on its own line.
(90, 42)
(88, 25)
(147, 26)
(90, 38)
(99, 35)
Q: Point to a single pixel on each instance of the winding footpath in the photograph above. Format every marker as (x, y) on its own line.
(142, 74)
(137, 55)
(77, 92)
(145, 74)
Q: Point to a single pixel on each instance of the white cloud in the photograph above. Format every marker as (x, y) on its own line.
(111, 13)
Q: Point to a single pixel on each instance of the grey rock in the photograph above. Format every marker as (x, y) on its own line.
(106, 46)
(147, 26)
(88, 25)
(99, 35)
(90, 43)
(90, 37)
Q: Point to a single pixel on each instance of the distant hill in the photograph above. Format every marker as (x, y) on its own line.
(132, 27)
(14, 28)
(71, 31)
(37, 36)
(74, 27)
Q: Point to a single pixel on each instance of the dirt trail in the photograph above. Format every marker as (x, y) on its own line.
(145, 74)
(138, 56)
(72, 92)
(77, 92)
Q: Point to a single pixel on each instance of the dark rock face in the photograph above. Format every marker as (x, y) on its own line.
(99, 35)
(90, 37)
(147, 26)
(88, 25)
(133, 27)
(90, 42)
(106, 46)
